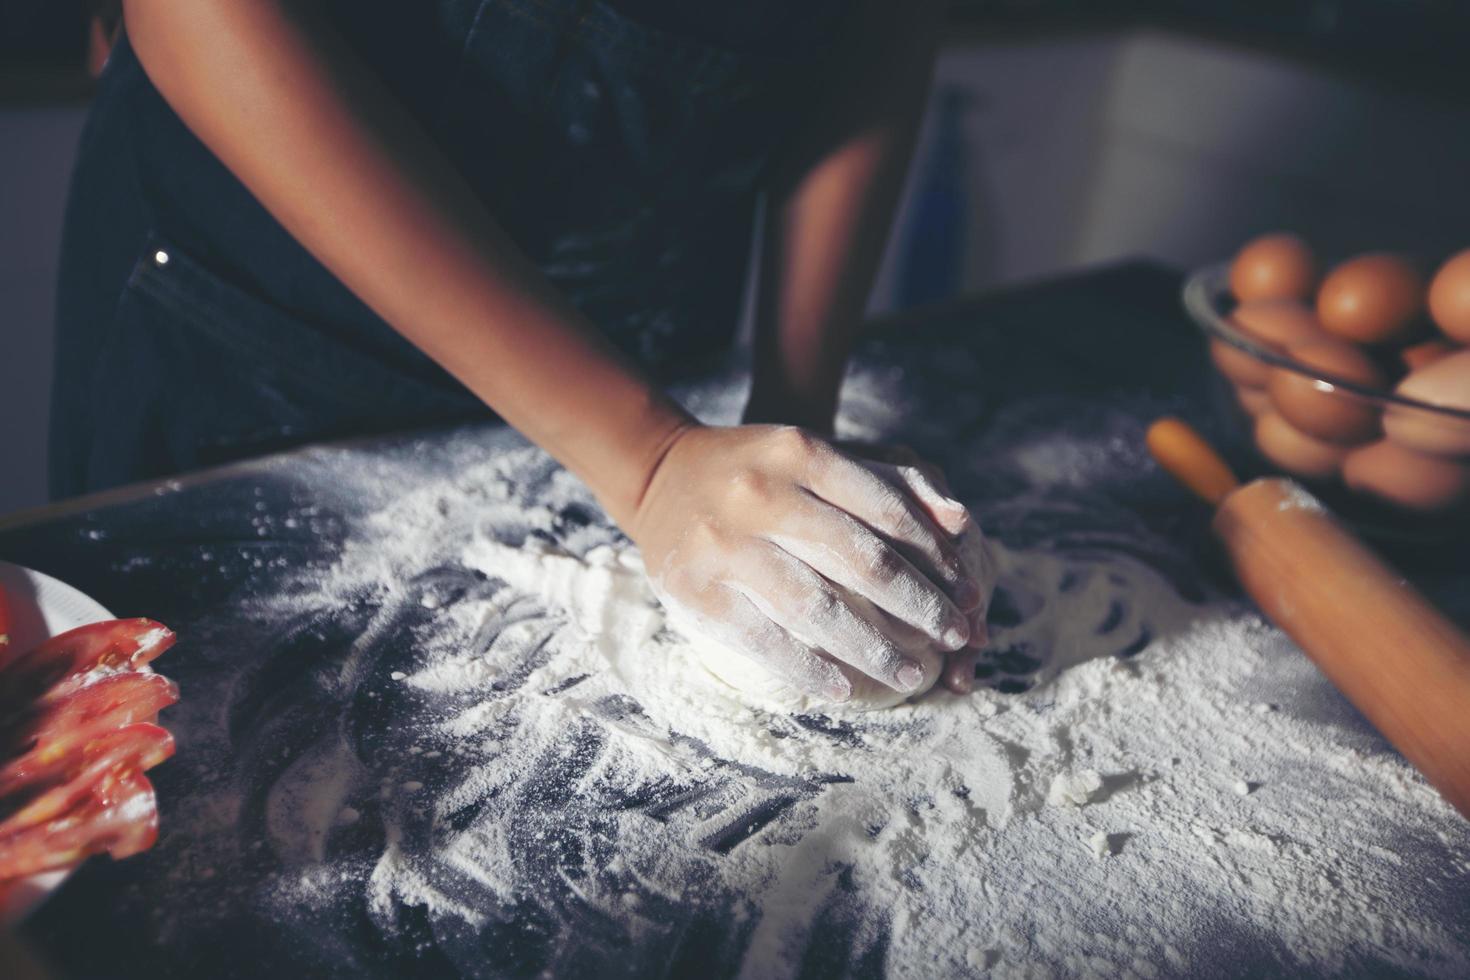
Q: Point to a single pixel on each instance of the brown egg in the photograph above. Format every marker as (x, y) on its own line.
(1401, 476)
(1279, 323)
(1296, 452)
(1371, 299)
(1449, 297)
(1445, 384)
(1319, 409)
(1254, 401)
(1240, 367)
(1277, 266)
(1416, 356)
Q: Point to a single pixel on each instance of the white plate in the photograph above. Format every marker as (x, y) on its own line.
(40, 608)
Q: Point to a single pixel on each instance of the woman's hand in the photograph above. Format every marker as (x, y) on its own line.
(805, 559)
(959, 666)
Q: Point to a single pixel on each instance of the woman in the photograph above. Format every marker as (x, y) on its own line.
(293, 221)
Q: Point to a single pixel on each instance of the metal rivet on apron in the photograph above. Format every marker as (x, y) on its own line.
(579, 133)
(592, 90)
(160, 258)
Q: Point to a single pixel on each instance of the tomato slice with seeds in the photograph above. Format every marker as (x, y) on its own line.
(49, 738)
(67, 662)
(120, 818)
(101, 763)
(133, 818)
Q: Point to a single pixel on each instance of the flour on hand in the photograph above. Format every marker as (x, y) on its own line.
(762, 687)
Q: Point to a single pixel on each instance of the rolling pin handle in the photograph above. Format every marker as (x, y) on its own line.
(1187, 457)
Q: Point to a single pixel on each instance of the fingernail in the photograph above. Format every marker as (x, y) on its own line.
(910, 676)
(840, 690)
(961, 682)
(956, 636)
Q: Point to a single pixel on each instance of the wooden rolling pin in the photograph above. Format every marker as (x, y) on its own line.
(1379, 641)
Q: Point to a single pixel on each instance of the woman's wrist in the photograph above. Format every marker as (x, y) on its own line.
(622, 496)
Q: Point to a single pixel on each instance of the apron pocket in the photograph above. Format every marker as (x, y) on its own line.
(198, 371)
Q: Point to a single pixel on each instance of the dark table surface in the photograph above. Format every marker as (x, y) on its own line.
(1094, 355)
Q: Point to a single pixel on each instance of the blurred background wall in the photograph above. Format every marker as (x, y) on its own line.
(34, 165)
(1060, 134)
(1083, 146)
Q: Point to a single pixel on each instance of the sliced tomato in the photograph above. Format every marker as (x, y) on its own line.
(52, 735)
(134, 817)
(102, 762)
(66, 662)
(121, 819)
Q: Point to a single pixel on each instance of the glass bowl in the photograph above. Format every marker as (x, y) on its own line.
(1394, 467)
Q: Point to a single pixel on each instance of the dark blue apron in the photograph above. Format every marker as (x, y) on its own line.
(624, 158)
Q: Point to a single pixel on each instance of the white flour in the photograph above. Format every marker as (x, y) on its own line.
(1092, 825)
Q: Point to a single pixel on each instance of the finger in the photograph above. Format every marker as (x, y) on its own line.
(847, 552)
(980, 616)
(891, 510)
(731, 619)
(959, 670)
(912, 642)
(937, 477)
(926, 484)
(817, 612)
(979, 629)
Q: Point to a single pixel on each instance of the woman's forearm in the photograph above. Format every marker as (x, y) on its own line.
(332, 155)
(829, 211)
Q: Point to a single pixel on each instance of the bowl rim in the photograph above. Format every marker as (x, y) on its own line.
(1204, 287)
